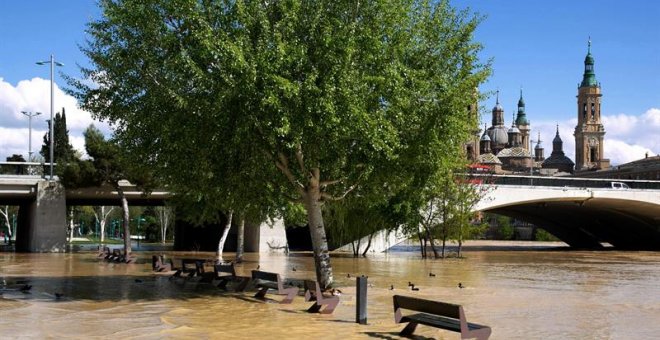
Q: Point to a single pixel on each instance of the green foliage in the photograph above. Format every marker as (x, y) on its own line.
(294, 215)
(63, 151)
(505, 228)
(542, 235)
(244, 105)
(14, 169)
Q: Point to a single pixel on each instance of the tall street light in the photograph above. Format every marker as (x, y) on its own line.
(30, 115)
(52, 63)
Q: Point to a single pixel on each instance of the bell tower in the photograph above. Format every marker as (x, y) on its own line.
(589, 132)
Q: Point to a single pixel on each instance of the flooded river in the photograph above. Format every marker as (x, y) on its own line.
(528, 294)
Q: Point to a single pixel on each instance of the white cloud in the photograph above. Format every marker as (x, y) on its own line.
(34, 96)
(627, 137)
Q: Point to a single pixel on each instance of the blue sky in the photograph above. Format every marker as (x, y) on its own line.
(539, 45)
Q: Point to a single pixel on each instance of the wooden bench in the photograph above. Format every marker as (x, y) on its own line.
(159, 265)
(266, 280)
(313, 293)
(119, 256)
(190, 268)
(220, 269)
(436, 314)
(104, 252)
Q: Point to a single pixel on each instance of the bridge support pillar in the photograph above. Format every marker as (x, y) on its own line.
(44, 228)
(267, 237)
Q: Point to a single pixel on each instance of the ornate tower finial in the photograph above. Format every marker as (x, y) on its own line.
(589, 45)
(497, 98)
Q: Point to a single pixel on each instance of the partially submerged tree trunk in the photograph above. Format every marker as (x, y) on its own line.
(317, 232)
(225, 232)
(366, 249)
(126, 221)
(240, 239)
(71, 226)
(311, 197)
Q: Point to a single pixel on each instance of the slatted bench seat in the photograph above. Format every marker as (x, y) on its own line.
(190, 268)
(265, 281)
(436, 314)
(225, 272)
(313, 293)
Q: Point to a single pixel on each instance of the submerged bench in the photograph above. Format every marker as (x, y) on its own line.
(436, 314)
(265, 281)
(118, 256)
(313, 293)
(190, 268)
(159, 265)
(225, 272)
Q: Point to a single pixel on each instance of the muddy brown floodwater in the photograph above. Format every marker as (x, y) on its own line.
(527, 294)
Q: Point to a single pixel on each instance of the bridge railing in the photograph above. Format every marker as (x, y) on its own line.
(572, 182)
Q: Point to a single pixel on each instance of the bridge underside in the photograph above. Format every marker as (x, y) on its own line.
(586, 224)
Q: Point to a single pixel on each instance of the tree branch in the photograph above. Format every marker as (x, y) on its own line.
(329, 197)
(283, 164)
(326, 183)
(299, 157)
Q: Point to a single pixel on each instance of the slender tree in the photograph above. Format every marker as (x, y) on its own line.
(106, 166)
(63, 150)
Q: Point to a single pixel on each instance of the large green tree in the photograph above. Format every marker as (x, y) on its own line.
(304, 100)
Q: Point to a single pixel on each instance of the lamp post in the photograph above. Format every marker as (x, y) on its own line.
(30, 115)
(52, 63)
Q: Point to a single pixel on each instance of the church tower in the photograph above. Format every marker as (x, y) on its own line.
(523, 124)
(589, 132)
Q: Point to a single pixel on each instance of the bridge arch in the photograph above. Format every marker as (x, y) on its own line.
(583, 217)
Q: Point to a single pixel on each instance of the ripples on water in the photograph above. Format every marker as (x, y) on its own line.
(520, 294)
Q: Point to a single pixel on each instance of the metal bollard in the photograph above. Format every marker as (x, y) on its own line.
(361, 305)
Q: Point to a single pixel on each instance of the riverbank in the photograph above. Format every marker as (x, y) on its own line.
(484, 245)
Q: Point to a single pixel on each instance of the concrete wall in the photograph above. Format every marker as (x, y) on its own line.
(43, 226)
(380, 242)
(267, 237)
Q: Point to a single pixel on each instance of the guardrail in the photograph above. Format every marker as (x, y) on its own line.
(572, 182)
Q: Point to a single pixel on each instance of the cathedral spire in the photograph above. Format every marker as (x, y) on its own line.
(522, 116)
(589, 76)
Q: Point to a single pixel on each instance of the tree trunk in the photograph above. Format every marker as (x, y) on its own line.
(422, 244)
(430, 238)
(126, 222)
(240, 240)
(366, 249)
(317, 232)
(460, 245)
(225, 232)
(71, 225)
(164, 218)
(5, 214)
(444, 239)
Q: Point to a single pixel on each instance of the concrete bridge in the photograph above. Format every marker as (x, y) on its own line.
(584, 213)
(42, 207)
(41, 223)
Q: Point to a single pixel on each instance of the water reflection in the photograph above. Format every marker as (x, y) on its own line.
(520, 294)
